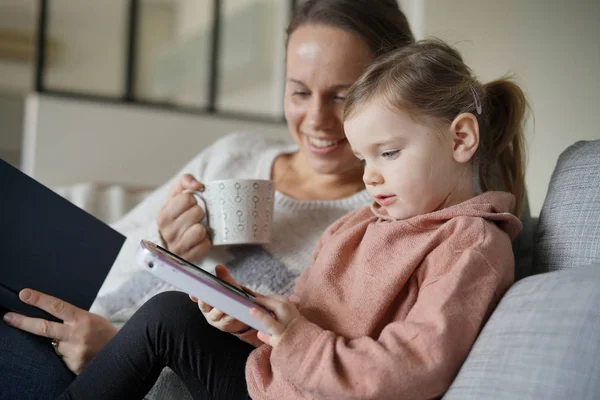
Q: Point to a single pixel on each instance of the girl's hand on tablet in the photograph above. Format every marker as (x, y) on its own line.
(284, 312)
(215, 317)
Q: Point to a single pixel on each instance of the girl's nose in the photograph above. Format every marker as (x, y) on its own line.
(372, 177)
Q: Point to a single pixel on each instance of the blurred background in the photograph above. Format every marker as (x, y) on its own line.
(123, 93)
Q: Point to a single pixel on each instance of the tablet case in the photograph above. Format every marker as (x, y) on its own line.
(49, 244)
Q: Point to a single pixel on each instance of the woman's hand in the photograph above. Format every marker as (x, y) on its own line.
(179, 221)
(284, 310)
(81, 335)
(217, 318)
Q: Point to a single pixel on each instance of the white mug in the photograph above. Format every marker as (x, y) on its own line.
(238, 211)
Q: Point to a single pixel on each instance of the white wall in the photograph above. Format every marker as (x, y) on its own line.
(69, 141)
(552, 47)
(414, 11)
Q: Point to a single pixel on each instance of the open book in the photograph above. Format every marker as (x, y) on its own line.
(49, 244)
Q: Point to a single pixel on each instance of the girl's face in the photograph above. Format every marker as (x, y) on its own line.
(322, 63)
(409, 167)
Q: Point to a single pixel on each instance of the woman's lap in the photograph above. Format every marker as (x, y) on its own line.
(168, 330)
(30, 369)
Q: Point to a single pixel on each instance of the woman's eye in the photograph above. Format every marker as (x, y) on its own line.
(390, 155)
(339, 98)
(300, 94)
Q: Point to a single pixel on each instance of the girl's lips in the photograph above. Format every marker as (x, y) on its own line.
(322, 150)
(385, 200)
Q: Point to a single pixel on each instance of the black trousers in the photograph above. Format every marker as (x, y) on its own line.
(169, 330)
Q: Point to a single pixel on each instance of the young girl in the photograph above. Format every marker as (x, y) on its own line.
(396, 293)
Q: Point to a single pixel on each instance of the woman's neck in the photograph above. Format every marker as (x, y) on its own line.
(293, 178)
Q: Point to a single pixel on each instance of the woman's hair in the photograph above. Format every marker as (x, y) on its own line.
(380, 23)
(430, 81)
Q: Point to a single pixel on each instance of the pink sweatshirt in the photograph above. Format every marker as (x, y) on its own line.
(390, 309)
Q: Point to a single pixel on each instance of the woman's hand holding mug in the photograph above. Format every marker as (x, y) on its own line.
(179, 221)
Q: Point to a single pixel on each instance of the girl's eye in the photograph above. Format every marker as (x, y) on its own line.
(339, 98)
(390, 155)
(362, 161)
(300, 94)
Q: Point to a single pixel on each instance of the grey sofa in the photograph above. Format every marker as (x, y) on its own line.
(543, 339)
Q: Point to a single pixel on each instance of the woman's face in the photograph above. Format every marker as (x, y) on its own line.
(322, 63)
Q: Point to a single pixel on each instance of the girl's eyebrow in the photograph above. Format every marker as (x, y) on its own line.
(378, 145)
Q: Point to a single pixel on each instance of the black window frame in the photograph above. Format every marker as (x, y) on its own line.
(129, 93)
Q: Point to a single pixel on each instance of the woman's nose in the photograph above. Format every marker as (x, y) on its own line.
(372, 177)
(321, 115)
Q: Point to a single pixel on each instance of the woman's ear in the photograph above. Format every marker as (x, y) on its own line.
(464, 132)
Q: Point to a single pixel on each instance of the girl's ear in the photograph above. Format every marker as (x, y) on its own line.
(464, 132)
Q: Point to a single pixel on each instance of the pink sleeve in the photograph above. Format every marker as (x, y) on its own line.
(250, 336)
(414, 357)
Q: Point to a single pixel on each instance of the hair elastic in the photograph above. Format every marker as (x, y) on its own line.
(478, 107)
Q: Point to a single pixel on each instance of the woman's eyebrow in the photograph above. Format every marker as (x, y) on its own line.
(299, 82)
(341, 86)
(337, 86)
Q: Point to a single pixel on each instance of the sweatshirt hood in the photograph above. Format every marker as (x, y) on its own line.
(494, 206)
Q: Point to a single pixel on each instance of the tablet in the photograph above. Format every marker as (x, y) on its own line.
(205, 286)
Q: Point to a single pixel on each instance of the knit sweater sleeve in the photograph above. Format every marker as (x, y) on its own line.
(413, 357)
(225, 148)
(140, 223)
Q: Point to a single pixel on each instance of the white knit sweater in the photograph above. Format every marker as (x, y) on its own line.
(267, 269)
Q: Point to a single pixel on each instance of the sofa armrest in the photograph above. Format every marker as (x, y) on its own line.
(541, 342)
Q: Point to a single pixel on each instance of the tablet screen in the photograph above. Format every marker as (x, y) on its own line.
(188, 266)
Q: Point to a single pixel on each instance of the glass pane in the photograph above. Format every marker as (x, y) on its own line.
(252, 58)
(17, 55)
(17, 45)
(173, 61)
(91, 46)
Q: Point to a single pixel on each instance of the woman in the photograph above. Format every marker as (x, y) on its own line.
(330, 43)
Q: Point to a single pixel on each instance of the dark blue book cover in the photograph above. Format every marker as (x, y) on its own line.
(49, 244)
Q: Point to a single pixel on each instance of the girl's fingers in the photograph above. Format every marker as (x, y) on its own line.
(278, 305)
(215, 315)
(263, 337)
(205, 308)
(268, 302)
(274, 327)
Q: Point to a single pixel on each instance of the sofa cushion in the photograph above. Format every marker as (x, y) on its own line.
(568, 231)
(523, 243)
(541, 342)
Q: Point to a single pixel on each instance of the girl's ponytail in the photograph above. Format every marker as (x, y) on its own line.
(502, 146)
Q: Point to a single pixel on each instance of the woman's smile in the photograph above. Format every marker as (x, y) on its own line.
(323, 146)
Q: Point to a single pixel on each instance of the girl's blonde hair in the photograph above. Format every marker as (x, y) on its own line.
(430, 81)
